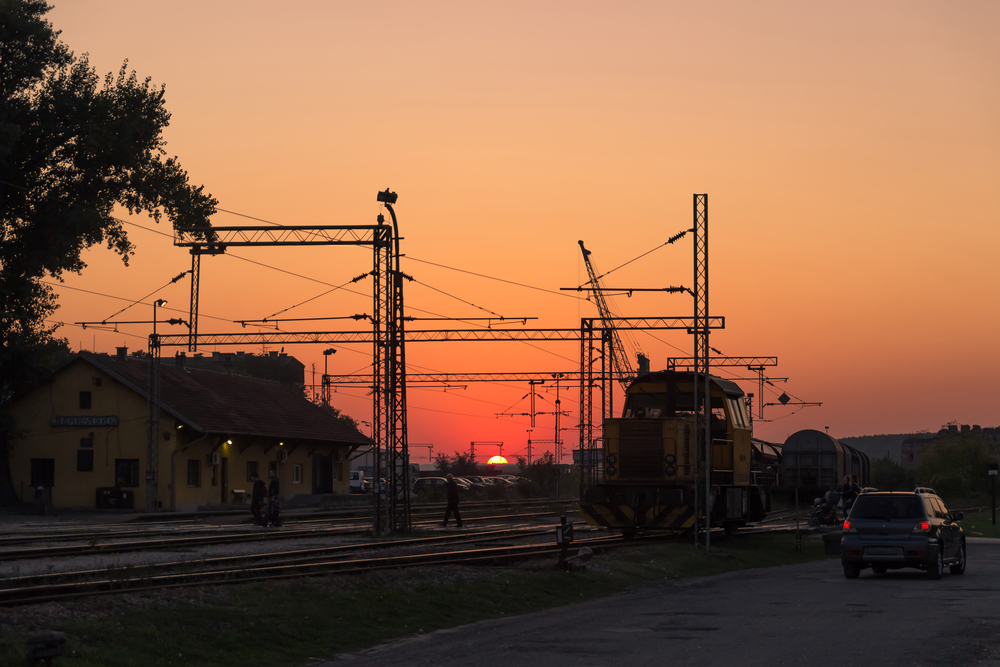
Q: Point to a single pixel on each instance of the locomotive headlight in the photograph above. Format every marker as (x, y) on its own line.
(611, 470)
(671, 471)
(671, 458)
(612, 459)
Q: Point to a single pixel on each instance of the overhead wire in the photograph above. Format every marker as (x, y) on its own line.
(341, 287)
(171, 282)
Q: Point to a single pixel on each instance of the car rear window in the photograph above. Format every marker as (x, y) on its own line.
(887, 507)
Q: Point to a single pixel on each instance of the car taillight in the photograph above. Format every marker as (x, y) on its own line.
(922, 527)
(849, 527)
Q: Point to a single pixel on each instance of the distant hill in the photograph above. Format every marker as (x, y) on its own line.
(880, 446)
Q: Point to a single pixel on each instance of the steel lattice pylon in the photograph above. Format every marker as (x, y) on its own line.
(701, 350)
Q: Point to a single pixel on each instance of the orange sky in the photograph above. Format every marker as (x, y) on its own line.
(851, 153)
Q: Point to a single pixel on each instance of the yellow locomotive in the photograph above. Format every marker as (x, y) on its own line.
(653, 466)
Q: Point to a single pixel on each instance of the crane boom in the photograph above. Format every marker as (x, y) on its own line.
(621, 368)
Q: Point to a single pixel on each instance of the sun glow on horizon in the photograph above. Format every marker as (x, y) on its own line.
(496, 460)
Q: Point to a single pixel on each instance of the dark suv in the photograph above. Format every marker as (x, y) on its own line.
(894, 530)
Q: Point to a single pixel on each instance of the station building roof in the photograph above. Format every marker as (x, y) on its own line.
(225, 404)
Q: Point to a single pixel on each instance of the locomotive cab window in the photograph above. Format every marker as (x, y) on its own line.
(738, 411)
(645, 406)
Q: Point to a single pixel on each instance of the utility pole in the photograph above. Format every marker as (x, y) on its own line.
(326, 376)
(153, 415)
(701, 352)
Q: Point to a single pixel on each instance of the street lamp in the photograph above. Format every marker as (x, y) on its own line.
(158, 302)
(326, 377)
(153, 416)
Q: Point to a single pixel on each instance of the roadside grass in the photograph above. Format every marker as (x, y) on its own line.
(290, 622)
(980, 524)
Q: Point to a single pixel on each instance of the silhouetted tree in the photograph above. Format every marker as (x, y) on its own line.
(71, 149)
(887, 475)
(458, 465)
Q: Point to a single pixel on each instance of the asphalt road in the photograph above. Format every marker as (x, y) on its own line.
(794, 615)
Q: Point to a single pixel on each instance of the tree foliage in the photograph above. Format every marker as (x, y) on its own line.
(72, 148)
(459, 465)
(887, 475)
(955, 467)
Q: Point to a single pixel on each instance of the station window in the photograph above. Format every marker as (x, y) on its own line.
(43, 472)
(194, 472)
(87, 442)
(85, 400)
(85, 460)
(251, 470)
(297, 474)
(127, 472)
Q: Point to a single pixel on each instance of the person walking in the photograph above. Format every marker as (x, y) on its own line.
(452, 488)
(273, 491)
(257, 498)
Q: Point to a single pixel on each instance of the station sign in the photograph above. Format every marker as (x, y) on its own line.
(85, 420)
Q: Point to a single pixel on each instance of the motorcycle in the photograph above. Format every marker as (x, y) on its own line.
(824, 511)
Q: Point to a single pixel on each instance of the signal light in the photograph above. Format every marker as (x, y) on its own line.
(611, 470)
(612, 459)
(671, 471)
(671, 458)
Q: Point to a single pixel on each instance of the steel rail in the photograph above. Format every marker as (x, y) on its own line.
(46, 593)
(294, 555)
(246, 536)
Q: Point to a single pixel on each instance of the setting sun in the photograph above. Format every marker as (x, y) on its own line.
(496, 460)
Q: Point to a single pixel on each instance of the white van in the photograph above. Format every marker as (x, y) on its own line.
(357, 481)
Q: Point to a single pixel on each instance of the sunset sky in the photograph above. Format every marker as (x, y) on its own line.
(851, 153)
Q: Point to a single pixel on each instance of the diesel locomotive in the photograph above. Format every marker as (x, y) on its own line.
(652, 466)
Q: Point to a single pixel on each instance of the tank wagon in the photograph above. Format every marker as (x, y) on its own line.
(814, 462)
(651, 466)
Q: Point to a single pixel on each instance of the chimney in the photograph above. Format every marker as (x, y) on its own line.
(122, 353)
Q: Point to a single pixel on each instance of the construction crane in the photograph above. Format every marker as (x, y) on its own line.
(621, 368)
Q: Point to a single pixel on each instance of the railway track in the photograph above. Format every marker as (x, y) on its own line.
(252, 535)
(289, 565)
(462, 548)
(327, 517)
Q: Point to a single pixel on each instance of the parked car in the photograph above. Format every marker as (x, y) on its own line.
(424, 484)
(887, 530)
(475, 484)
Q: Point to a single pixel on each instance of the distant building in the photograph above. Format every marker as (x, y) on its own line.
(84, 431)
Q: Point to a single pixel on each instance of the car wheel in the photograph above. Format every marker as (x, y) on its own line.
(959, 567)
(936, 569)
(852, 570)
(879, 569)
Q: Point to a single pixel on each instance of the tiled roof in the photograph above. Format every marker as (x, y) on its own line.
(232, 404)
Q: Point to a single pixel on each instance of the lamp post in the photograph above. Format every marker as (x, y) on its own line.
(153, 414)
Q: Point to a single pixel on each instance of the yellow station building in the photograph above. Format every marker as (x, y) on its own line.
(84, 438)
